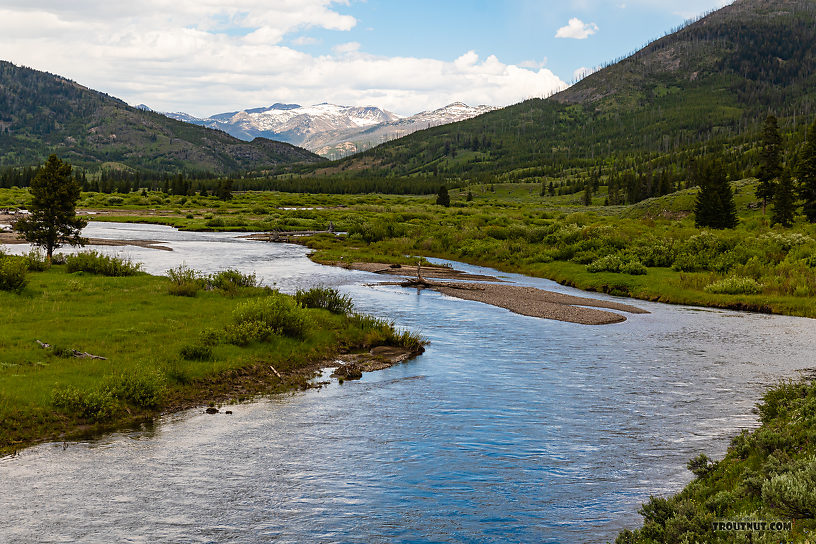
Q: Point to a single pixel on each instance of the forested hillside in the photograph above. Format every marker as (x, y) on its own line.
(704, 89)
(41, 113)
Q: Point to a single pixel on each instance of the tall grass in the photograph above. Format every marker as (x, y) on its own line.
(96, 263)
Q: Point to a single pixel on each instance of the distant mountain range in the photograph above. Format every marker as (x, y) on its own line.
(329, 130)
(42, 113)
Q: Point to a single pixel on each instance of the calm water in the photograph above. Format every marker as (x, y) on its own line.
(508, 428)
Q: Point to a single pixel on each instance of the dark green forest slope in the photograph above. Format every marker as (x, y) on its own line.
(41, 113)
(705, 88)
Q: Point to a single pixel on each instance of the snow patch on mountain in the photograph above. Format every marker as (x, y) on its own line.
(328, 129)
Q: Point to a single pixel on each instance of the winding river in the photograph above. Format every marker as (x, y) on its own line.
(508, 428)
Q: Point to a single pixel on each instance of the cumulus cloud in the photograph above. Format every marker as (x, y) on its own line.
(210, 56)
(577, 30)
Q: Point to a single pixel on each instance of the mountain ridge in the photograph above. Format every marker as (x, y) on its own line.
(710, 83)
(330, 130)
(42, 113)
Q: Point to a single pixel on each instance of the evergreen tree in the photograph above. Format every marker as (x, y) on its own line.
(770, 161)
(442, 197)
(588, 193)
(52, 221)
(784, 205)
(715, 205)
(806, 171)
(469, 196)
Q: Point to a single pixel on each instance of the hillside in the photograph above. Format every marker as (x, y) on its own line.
(709, 83)
(41, 113)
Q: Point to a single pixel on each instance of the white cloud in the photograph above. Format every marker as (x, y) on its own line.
(210, 56)
(577, 29)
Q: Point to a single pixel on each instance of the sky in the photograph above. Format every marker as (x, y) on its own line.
(205, 57)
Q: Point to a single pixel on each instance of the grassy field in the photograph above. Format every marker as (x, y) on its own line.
(162, 352)
(650, 250)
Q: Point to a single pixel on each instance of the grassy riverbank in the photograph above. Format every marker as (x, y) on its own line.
(650, 250)
(767, 475)
(162, 352)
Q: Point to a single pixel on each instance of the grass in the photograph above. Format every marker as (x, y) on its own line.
(162, 352)
(650, 250)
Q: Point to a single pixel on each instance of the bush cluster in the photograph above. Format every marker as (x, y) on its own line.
(13, 273)
(258, 319)
(94, 262)
(327, 298)
(734, 285)
(184, 281)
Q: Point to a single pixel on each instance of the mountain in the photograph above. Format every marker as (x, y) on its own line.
(327, 129)
(41, 113)
(707, 86)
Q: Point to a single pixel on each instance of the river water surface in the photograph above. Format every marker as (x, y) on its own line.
(508, 428)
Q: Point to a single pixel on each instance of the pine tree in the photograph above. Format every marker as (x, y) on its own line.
(784, 206)
(715, 205)
(588, 193)
(442, 197)
(806, 172)
(52, 221)
(770, 162)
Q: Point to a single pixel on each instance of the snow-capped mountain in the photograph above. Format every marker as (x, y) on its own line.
(327, 129)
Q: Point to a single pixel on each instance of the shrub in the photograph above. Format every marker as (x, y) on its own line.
(96, 404)
(196, 352)
(734, 285)
(610, 263)
(275, 313)
(634, 268)
(12, 273)
(210, 337)
(97, 263)
(230, 279)
(36, 261)
(326, 298)
(247, 332)
(791, 494)
(185, 281)
(143, 388)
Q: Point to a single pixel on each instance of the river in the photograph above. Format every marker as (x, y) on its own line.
(508, 428)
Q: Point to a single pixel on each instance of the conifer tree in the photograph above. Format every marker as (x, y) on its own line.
(770, 162)
(806, 172)
(784, 205)
(715, 205)
(52, 220)
(442, 197)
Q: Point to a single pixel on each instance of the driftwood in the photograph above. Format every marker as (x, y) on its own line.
(73, 352)
(272, 368)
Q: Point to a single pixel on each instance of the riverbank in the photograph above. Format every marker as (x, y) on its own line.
(153, 352)
(761, 491)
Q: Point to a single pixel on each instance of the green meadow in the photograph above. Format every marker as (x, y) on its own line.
(164, 347)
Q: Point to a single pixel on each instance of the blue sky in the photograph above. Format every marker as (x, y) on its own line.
(210, 56)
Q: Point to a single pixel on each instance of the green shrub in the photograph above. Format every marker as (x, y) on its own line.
(247, 332)
(185, 282)
(196, 352)
(327, 298)
(276, 313)
(96, 263)
(734, 285)
(634, 268)
(144, 388)
(13, 272)
(36, 261)
(96, 404)
(610, 263)
(210, 337)
(230, 279)
(792, 493)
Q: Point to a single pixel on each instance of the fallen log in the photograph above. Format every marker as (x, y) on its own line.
(73, 352)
